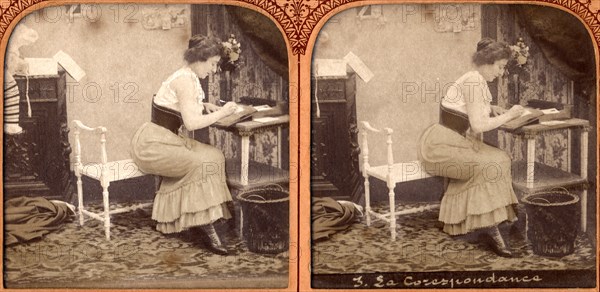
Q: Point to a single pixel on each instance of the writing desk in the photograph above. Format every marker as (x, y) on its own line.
(262, 174)
(547, 177)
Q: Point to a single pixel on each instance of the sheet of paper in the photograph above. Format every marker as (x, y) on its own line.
(550, 111)
(265, 119)
(329, 67)
(552, 123)
(70, 66)
(260, 108)
(359, 67)
(239, 109)
(42, 66)
(525, 112)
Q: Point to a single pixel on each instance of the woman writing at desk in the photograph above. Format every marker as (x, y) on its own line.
(193, 191)
(479, 195)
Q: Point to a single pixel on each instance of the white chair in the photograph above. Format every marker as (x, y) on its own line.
(392, 173)
(105, 172)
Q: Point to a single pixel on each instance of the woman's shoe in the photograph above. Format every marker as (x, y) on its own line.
(497, 243)
(213, 243)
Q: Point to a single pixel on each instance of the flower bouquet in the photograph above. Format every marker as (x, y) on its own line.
(230, 58)
(518, 60)
(518, 70)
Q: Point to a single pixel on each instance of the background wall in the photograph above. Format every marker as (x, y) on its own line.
(539, 81)
(124, 62)
(542, 80)
(127, 50)
(413, 57)
(253, 78)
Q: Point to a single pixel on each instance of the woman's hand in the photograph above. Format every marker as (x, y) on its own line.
(515, 111)
(498, 110)
(210, 108)
(229, 108)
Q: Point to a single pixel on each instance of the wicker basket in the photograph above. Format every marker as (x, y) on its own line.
(265, 219)
(552, 222)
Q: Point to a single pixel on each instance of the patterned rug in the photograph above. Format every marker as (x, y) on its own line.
(421, 246)
(138, 256)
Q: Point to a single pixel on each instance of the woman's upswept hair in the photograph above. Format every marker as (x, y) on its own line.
(490, 51)
(201, 48)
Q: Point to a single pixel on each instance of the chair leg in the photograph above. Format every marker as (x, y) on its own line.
(367, 201)
(79, 198)
(392, 200)
(157, 181)
(106, 210)
(241, 223)
(446, 183)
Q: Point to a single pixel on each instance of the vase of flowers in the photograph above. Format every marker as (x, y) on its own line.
(517, 69)
(520, 55)
(230, 58)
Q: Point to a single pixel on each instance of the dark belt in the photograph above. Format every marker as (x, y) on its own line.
(454, 120)
(166, 117)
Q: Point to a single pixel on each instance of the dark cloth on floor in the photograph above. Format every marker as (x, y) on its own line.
(329, 216)
(28, 218)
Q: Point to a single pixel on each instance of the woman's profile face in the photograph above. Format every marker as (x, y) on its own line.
(492, 71)
(204, 68)
(500, 67)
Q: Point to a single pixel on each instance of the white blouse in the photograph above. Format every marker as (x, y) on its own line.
(166, 96)
(455, 99)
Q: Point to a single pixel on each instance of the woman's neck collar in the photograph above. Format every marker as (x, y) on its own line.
(188, 68)
(481, 70)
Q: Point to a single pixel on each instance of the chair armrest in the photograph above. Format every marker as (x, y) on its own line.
(79, 125)
(368, 126)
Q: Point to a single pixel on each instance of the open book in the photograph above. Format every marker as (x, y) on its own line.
(529, 116)
(243, 113)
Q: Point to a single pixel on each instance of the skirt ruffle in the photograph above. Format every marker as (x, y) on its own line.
(187, 220)
(474, 222)
(193, 190)
(480, 206)
(199, 201)
(477, 200)
(480, 192)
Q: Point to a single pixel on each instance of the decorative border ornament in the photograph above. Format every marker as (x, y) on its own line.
(298, 18)
(583, 9)
(9, 9)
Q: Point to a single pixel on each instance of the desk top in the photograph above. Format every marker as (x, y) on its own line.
(250, 126)
(537, 128)
(60, 71)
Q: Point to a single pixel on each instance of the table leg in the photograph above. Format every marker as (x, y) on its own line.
(526, 227)
(530, 161)
(569, 139)
(245, 159)
(279, 147)
(391, 198)
(584, 165)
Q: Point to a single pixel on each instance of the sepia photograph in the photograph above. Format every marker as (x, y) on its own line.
(298, 145)
(146, 146)
(453, 146)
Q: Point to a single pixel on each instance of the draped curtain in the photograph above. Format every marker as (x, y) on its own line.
(562, 38)
(265, 38)
(568, 46)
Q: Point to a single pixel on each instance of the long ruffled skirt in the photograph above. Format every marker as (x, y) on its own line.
(480, 192)
(193, 191)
